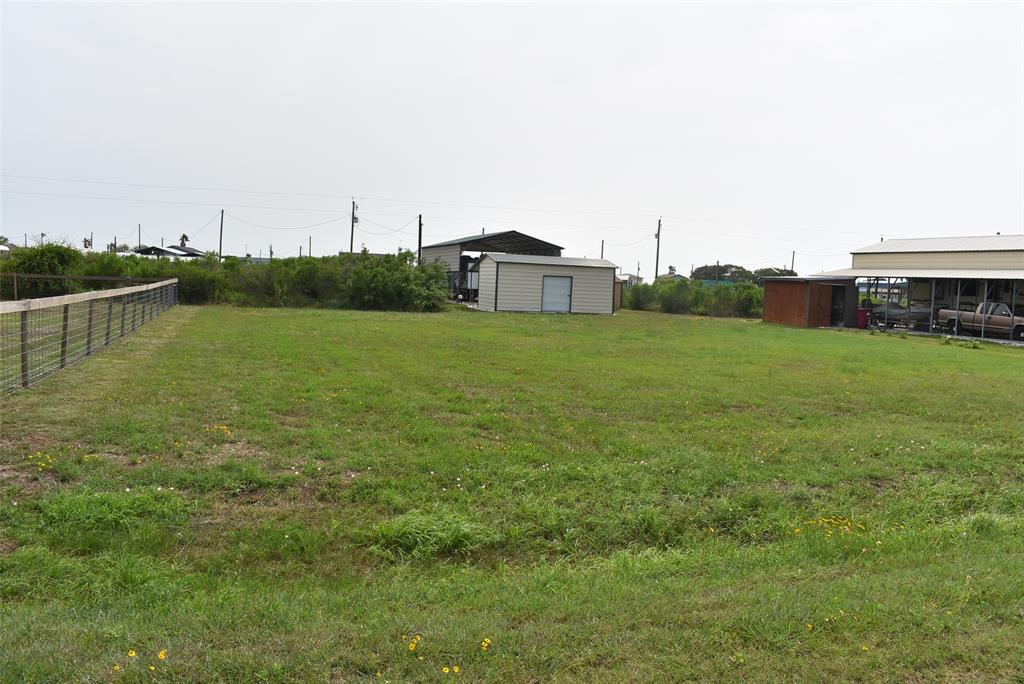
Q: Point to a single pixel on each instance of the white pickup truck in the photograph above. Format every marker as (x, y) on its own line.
(993, 316)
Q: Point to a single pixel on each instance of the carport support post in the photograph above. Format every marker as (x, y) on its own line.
(1013, 304)
(984, 307)
(956, 314)
(888, 298)
(910, 300)
(931, 310)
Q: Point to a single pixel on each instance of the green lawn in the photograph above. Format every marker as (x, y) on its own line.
(276, 495)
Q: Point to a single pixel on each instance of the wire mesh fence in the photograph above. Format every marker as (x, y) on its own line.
(41, 336)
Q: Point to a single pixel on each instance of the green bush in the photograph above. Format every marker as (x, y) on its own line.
(640, 297)
(693, 297)
(361, 281)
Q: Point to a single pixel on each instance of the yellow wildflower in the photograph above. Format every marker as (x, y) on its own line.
(162, 655)
(117, 668)
(445, 669)
(152, 668)
(131, 653)
(455, 669)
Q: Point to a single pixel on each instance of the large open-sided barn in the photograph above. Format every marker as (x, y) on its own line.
(462, 279)
(969, 285)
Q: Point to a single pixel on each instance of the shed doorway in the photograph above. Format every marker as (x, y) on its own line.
(556, 294)
(838, 313)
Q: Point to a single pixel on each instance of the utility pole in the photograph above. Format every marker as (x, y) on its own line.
(792, 262)
(602, 249)
(161, 242)
(220, 245)
(352, 234)
(657, 251)
(92, 245)
(271, 252)
(419, 243)
(300, 251)
(139, 243)
(115, 244)
(309, 252)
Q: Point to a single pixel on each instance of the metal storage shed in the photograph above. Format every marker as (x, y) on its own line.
(520, 282)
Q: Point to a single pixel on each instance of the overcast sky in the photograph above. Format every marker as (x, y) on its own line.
(753, 129)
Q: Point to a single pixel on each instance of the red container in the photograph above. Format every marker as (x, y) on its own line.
(862, 317)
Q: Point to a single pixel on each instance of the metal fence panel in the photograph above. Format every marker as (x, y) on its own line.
(41, 336)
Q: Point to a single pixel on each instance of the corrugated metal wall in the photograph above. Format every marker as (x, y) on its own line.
(485, 294)
(940, 260)
(449, 255)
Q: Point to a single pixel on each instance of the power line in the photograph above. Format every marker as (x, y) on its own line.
(153, 201)
(387, 228)
(430, 203)
(311, 225)
(442, 218)
(212, 219)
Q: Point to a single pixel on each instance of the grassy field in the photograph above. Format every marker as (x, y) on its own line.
(297, 495)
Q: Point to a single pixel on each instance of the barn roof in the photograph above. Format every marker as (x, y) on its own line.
(510, 241)
(977, 243)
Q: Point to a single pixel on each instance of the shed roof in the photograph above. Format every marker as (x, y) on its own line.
(546, 260)
(940, 273)
(977, 243)
(506, 241)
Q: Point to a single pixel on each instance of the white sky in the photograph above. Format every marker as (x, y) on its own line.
(754, 129)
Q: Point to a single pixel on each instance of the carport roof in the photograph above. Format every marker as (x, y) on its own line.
(510, 241)
(976, 243)
(938, 273)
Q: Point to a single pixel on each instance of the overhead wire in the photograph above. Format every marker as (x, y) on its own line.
(431, 203)
(305, 227)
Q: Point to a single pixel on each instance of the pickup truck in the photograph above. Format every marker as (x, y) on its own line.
(994, 316)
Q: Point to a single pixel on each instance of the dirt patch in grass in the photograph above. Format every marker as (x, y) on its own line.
(240, 451)
(7, 546)
(27, 481)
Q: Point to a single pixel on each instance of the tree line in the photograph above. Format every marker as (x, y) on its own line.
(351, 281)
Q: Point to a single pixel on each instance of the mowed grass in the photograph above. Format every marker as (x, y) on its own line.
(285, 495)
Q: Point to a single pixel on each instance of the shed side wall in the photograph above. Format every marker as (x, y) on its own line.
(448, 255)
(485, 294)
(520, 287)
(785, 303)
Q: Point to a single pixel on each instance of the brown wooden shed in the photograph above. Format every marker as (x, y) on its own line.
(813, 302)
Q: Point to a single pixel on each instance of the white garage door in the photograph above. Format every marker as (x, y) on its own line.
(556, 294)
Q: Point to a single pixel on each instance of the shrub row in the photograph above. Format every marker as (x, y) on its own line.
(693, 297)
(355, 281)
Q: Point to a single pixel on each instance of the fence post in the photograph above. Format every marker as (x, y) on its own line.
(124, 310)
(135, 313)
(64, 336)
(24, 348)
(110, 315)
(88, 330)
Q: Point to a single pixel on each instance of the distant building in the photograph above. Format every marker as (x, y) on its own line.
(671, 275)
(629, 280)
